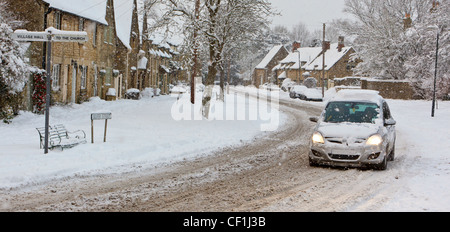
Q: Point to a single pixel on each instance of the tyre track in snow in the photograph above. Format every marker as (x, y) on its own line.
(271, 173)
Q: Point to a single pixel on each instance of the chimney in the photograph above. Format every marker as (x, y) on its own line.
(341, 43)
(407, 21)
(435, 6)
(296, 45)
(325, 45)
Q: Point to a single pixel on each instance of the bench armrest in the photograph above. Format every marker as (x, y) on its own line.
(79, 134)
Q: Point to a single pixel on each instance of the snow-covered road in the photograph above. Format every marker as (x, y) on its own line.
(269, 172)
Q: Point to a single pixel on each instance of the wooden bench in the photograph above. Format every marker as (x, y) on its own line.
(60, 137)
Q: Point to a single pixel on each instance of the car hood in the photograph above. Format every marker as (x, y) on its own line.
(348, 130)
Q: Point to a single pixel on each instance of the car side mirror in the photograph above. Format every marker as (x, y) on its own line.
(390, 122)
(314, 119)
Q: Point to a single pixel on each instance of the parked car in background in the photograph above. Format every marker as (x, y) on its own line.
(297, 91)
(356, 129)
(304, 93)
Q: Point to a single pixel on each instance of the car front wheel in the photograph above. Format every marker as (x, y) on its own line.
(392, 155)
(382, 165)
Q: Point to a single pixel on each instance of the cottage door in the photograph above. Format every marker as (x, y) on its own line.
(74, 82)
(95, 81)
(65, 83)
(118, 86)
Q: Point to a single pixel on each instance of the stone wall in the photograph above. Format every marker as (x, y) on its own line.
(391, 89)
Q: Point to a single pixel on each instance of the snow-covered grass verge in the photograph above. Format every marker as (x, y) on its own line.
(140, 133)
(423, 144)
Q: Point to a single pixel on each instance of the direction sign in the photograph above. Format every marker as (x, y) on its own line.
(24, 35)
(80, 38)
(101, 116)
(73, 36)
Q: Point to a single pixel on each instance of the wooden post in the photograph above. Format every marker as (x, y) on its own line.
(48, 92)
(106, 125)
(92, 130)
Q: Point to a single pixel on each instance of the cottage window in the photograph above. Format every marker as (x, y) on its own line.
(108, 35)
(105, 36)
(55, 76)
(81, 25)
(94, 37)
(57, 20)
(111, 36)
(83, 76)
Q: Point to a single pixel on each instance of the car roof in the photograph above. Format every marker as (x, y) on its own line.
(358, 96)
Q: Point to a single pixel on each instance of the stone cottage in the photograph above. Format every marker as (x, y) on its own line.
(263, 71)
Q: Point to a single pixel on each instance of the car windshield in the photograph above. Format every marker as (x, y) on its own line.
(354, 112)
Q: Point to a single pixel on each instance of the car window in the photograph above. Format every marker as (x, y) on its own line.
(354, 112)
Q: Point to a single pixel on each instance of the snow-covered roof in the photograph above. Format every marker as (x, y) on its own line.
(269, 57)
(123, 14)
(307, 54)
(283, 75)
(94, 10)
(332, 56)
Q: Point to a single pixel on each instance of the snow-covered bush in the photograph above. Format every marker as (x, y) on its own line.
(13, 71)
(39, 91)
(287, 84)
(310, 82)
(133, 94)
(150, 92)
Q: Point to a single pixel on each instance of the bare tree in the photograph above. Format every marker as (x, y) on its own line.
(223, 24)
(301, 33)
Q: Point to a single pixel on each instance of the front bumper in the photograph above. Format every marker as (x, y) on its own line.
(343, 155)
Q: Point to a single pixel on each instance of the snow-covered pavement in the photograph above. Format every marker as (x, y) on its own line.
(142, 132)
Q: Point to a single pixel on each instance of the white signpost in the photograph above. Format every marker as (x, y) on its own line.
(99, 116)
(48, 36)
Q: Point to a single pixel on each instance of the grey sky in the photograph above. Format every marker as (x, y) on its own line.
(313, 13)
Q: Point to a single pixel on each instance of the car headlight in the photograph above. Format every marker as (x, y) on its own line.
(374, 140)
(318, 138)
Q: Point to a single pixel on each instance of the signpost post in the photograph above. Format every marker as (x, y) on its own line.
(48, 36)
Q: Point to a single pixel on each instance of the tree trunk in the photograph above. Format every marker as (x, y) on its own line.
(222, 83)
(207, 94)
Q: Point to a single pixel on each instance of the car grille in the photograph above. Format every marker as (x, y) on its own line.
(344, 157)
(342, 141)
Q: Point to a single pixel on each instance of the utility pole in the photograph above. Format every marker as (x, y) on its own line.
(435, 76)
(299, 65)
(194, 69)
(323, 61)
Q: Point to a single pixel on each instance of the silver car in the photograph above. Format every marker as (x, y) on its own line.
(356, 129)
